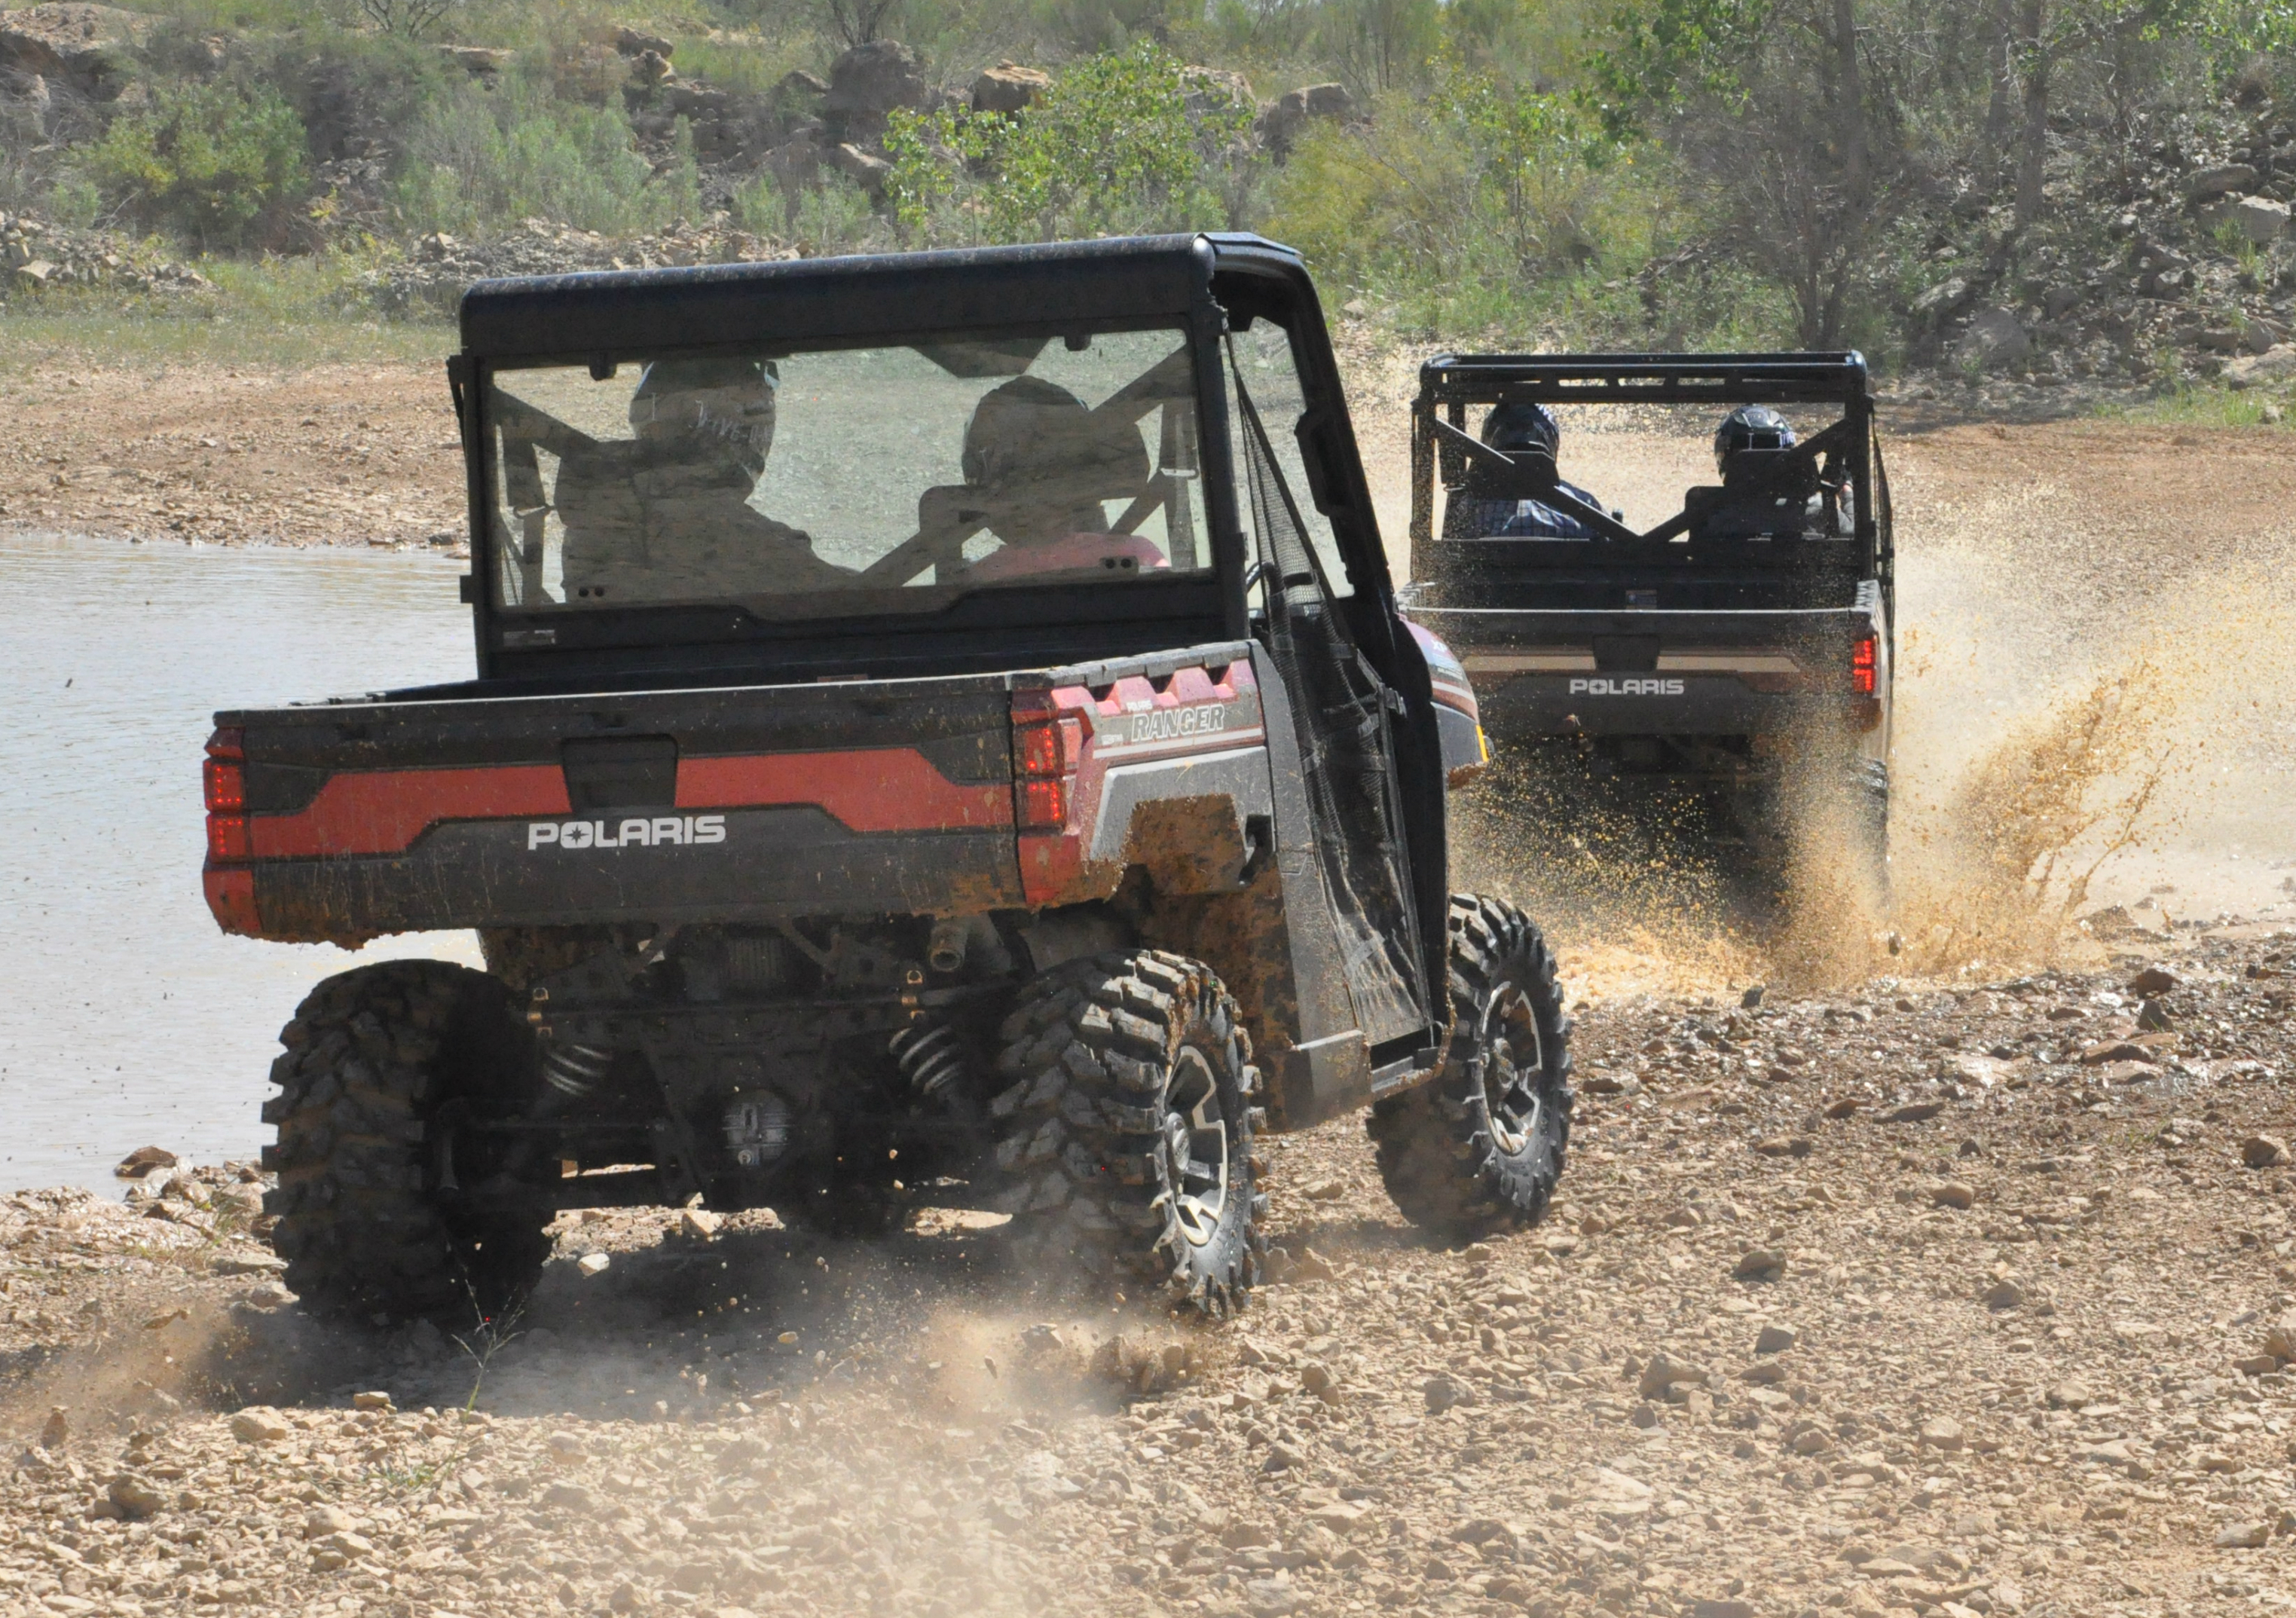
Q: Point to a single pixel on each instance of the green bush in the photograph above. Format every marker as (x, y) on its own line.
(479, 160)
(820, 220)
(1112, 147)
(219, 166)
(1478, 203)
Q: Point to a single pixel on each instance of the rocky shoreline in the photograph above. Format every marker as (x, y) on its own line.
(1913, 1300)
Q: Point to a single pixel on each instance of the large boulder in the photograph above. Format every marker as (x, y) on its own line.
(865, 170)
(1281, 125)
(637, 42)
(1944, 300)
(1994, 341)
(1009, 88)
(2209, 183)
(1208, 90)
(85, 47)
(2276, 364)
(478, 60)
(867, 82)
(2259, 219)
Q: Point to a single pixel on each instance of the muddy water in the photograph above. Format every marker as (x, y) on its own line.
(127, 1018)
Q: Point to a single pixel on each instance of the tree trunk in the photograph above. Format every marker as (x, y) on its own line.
(1851, 224)
(1852, 109)
(2001, 64)
(2033, 148)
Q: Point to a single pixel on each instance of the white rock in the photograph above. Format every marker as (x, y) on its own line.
(1994, 339)
(260, 1424)
(324, 1520)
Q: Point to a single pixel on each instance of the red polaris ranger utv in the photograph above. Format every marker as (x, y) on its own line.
(943, 734)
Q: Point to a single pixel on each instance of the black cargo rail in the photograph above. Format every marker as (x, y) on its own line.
(1448, 383)
(1599, 379)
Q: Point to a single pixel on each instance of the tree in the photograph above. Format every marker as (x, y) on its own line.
(856, 22)
(1798, 145)
(1382, 45)
(407, 19)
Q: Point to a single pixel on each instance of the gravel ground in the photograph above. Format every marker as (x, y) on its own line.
(1920, 1300)
(363, 455)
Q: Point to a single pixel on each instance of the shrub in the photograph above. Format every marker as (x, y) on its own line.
(215, 164)
(1112, 146)
(1479, 201)
(478, 160)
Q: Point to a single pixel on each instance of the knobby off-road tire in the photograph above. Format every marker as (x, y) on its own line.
(1479, 1148)
(373, 1058)
(1123, 1128)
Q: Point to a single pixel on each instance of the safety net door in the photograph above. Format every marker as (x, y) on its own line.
(1344, 713)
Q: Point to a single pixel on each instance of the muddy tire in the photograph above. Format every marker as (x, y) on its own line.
(1123, 1130)
(373, 1058)
(1479, 1148)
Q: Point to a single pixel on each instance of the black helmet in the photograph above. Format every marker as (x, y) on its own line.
(1750, 427)
(717, 408)
(1511, 427)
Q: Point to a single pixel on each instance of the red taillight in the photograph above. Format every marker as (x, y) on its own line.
(226, 786)
(1045, 750)
(1044, 805)
(227, 837)
(1861, 667)
(1040, 748)
(223, 778)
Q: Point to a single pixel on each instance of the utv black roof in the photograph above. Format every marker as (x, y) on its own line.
(1594, 379)
(887, 296)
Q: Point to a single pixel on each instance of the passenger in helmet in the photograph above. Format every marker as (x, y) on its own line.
(1757, 428)
(667, 512)
(1515, 427)
(1043, 467)
(1747, 445)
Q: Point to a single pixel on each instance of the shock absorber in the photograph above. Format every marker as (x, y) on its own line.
(575, 1070)
(932, 1061)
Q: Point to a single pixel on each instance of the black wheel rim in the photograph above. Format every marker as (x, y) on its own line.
(1514, 1059)
(1195, 1148)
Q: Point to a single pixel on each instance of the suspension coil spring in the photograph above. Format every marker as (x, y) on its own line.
(930, 1059)
(575, 1070)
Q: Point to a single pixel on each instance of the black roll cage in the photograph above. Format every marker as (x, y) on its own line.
(1448, 383)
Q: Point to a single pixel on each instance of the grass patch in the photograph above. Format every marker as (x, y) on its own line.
(276, 312)
(2203, 405)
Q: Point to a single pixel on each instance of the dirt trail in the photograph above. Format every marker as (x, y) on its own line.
(333, 454)
(1921, 1298)
(1909, 1302)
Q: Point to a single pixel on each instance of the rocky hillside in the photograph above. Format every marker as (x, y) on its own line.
(2176, 266)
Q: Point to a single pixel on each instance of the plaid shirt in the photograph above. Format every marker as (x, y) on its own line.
(1466, 519)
